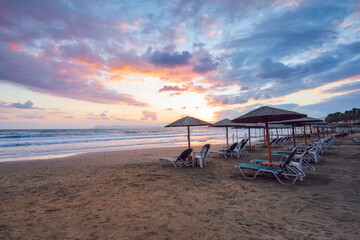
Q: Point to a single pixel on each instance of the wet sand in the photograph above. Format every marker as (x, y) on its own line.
(128, 195)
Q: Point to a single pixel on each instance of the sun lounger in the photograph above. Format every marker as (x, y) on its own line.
(285, 170)
(228, 153)
(203, 156)
(183, 158)
(303, 158)
(241, 148)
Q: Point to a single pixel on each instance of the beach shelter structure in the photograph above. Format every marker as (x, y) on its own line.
(265, 115)
(188, 122)
(299, 122)
(225, 123)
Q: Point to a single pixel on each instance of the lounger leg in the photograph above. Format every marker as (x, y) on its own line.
(200, 161)
(246, 177)
(277, 177)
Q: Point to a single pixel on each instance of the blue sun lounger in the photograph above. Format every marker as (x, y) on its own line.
(284, 171)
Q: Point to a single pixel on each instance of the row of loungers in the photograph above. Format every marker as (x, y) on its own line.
(186, 159)
(293, 164)
(277, 142)
(235, 150)
(204, 156)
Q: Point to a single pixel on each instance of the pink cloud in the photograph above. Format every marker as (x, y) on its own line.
(147, 115)
(344, 24)
(77, 81)
(14, 47)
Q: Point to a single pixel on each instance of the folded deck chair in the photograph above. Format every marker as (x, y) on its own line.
(203, 156)
(286, 170)
(228, 153)
(182, 158)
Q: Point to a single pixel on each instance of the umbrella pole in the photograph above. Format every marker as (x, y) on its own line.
(305, 135)
(188, 136)
(293, 134)
(249, 139)
(312, 138)
(227, 138)
(318, 132)
(268, 141)
(265, 135)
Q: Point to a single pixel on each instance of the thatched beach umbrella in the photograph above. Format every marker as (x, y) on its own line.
(265, 115)
(225, 123)
(300, 121)
(188, 122)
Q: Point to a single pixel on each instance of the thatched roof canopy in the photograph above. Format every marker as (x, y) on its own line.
(225, 123)
(250, 125)
(188, 122)
(300, 121)
(268, 114)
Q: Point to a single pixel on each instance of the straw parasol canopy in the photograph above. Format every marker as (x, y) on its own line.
(265, 115)
(300, 121)
(268, 114)
(188, 122)
(225, 123)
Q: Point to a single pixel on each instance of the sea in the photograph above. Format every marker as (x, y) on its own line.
(19, 144)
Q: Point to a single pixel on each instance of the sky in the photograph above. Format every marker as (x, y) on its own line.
(80, 64)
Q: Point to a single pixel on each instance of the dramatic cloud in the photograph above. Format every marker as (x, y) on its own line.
(77, 81)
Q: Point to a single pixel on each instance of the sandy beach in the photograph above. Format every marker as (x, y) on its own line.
(128, 195)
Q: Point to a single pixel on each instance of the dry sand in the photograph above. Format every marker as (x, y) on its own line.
(127, 195)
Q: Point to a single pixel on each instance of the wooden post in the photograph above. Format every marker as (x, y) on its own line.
(277, 134)
(305, 135)
(293, 134)
(312, 138)
(188, 136)
(268, 141)
(249, 140)
(227, 138)
(265, 135)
